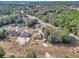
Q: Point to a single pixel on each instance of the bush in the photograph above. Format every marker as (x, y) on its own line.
(65, 36)
(47, 31)
(31, 55)
(19, 20)
(66, 39)
(51, 35)
(12, 56)
(55, 37)
(31, 23)
(2, 52)
(2, 33)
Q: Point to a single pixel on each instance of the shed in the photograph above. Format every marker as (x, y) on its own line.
(14, 33)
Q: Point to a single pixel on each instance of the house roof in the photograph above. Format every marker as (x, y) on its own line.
(26, 34)
(14, 33)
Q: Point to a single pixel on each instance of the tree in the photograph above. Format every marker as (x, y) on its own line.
(65, 36)
(31, 23)
(8, 19)
(19, 20)
(66, 39)
(31, 55)
(47, 31)
(78, 32)
(2, 33)
(2, 52)
(55, 37)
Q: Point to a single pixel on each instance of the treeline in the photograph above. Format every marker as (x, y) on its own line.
(9, 19)
(69, 21)
(56, 36)
(7, 10)
(60, 16)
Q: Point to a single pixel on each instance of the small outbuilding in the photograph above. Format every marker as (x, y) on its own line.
(14, 33)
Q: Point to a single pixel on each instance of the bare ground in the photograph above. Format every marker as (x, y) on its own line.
(56, 50)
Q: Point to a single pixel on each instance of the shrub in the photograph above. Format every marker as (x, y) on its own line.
(31, 23)
(2, 33)
(65, 36)
(2, 52)
(9, 19)
(47, 31)
(66, 39)
(55, 37)
(31, 55)
(12, 56)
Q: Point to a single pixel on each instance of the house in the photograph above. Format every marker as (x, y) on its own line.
(24, 38)
(14, 33)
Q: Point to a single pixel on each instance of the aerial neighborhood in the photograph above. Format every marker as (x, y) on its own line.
(31, 29)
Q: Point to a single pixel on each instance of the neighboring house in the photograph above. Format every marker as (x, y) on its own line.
(14, 33)
(24, 38)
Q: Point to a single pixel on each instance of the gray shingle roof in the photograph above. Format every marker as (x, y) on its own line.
(26, 34)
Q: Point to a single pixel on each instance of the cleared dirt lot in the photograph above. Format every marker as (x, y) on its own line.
(56, 50)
